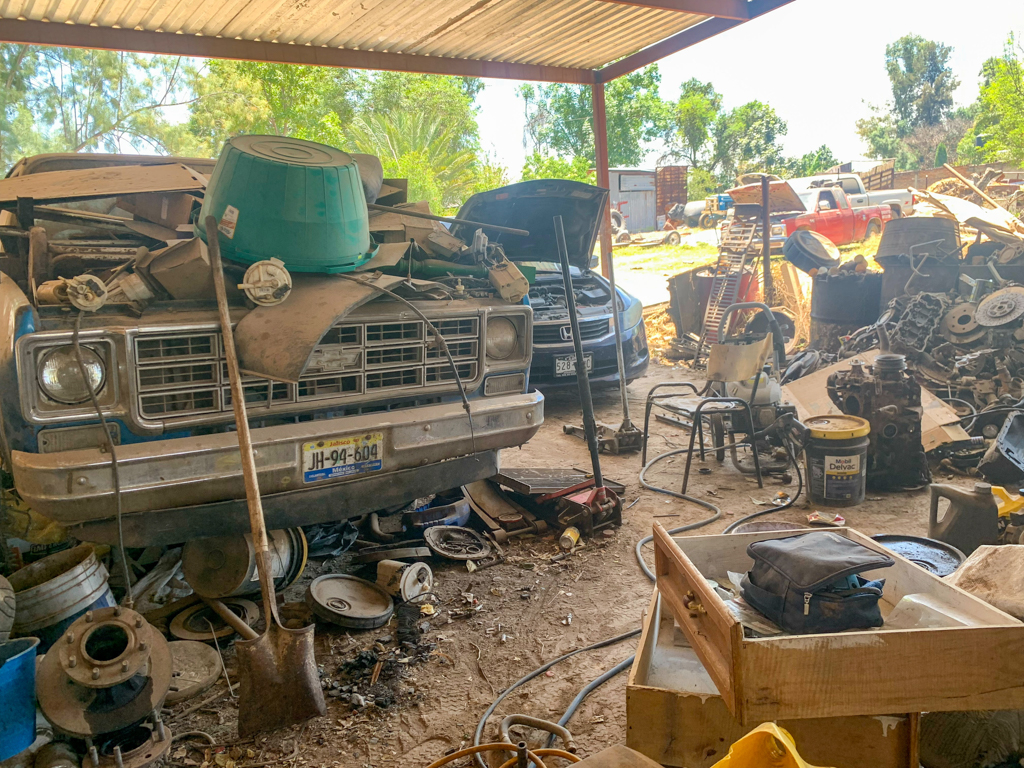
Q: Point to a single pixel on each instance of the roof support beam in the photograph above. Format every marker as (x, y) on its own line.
(682, 40)
(723, 9)
(139, 41)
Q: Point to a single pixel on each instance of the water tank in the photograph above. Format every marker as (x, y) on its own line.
(290, 199)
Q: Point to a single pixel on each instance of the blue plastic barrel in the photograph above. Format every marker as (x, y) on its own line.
(17, 695)
(51, 593)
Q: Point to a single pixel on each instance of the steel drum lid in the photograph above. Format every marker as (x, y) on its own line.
(933, 555)
(195, 667)
(349, 602)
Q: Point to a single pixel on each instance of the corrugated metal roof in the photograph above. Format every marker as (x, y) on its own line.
(576, 34)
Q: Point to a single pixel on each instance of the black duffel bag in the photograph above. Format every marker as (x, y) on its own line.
(810, 583)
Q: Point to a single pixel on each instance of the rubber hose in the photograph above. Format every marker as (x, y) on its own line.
(537, 672)
(622, 666)
(799, 489)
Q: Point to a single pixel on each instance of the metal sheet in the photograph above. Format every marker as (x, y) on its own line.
(94, 183)
(781, 196)
(277, 342)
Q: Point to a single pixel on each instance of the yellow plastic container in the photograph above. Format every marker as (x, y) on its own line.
(767, 746)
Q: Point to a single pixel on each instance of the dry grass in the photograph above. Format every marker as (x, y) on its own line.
(661, 332)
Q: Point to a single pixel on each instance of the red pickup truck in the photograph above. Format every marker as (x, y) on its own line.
(829, 213)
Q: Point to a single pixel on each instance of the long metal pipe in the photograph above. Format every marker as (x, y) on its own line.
(607, 268)
(589, 423)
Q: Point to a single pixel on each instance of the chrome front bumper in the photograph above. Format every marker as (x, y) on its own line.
(75, 487)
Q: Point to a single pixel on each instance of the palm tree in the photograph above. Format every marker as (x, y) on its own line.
(429, 153)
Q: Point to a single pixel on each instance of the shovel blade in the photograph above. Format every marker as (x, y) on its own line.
(278, 680)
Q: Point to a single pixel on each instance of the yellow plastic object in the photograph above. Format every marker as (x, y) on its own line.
(1008, 504)
(25, 523)
(767, 746)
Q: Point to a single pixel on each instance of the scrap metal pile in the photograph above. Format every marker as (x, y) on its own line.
(955, 311)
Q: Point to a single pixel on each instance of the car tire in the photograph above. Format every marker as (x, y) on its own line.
(897, 212)
(618, 221)
(706, 221)
(673, 238)
(622, 236)
(874, 229)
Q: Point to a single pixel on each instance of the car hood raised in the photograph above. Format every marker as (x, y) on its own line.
(532, 205)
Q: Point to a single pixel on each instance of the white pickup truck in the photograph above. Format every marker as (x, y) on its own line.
(900, 200)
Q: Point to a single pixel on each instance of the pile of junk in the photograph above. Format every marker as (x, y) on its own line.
(914, 370)
(102, 641)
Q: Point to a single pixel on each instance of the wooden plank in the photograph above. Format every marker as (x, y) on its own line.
(684, 39)
(91, 183)
(714, 633)
(690, 727)
(724, 9)
(142, 41)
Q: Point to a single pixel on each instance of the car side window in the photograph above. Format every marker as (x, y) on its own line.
(842, 201)
(826, 201)
(850, 186)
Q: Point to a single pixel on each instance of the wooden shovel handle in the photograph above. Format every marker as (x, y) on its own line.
(228, 616)
(252, 488)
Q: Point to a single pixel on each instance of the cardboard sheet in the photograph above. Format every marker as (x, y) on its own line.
(940, 424)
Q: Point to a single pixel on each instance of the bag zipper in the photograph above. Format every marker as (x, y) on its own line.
(839, 596)
(807, 603)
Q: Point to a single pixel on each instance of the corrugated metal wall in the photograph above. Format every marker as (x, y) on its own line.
(632, 193)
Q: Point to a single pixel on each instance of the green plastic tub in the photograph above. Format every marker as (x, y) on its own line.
(295, 200)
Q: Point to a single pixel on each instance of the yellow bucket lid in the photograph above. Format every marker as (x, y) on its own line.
(837, 427)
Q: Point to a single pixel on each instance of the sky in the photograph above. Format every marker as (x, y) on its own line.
(821, 67)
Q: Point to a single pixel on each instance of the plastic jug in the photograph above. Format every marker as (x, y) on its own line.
(971, 520)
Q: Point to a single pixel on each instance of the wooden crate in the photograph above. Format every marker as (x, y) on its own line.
(675, 716)
(976, 665)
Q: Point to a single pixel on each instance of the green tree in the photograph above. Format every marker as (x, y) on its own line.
(541, 166)
(998, 132)
(700, 183)
(559, 117)
(812, 163)
(427, 150)
(77, 100)
(884, 139)
(236, 97)
(747, 139)
(693, 118)
(941, 156)
(922, 80)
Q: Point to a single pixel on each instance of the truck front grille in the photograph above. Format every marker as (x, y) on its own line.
(181, 375)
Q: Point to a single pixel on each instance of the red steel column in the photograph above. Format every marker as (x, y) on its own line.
(603, 179)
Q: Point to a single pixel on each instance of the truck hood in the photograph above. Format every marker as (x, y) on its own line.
(531, 205)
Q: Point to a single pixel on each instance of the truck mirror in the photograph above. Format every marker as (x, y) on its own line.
(824, 206)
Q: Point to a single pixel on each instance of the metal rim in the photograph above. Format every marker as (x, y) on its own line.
(350, 608)
(457, 543)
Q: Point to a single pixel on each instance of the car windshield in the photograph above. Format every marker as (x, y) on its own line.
(808, 199)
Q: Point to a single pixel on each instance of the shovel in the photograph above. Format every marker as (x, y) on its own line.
(279, 682)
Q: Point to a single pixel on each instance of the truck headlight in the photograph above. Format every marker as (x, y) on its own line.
(502, 338)
(60, 378)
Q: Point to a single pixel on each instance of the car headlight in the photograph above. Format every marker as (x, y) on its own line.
(632, 315)
(60, 378)
(502, 338)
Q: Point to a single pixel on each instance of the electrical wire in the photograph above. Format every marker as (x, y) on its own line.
(440, 340)
(129, 599)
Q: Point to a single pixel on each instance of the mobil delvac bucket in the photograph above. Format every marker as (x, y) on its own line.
(17, 695)
(836, 459)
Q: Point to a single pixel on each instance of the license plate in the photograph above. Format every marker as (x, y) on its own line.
(342, 457)
(565, 365)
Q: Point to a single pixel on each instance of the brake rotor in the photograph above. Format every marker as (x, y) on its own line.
(349, 602)
(457, 543)
(1002, 307)
(960, 324)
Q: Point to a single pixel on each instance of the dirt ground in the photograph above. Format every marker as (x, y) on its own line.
(523, 618)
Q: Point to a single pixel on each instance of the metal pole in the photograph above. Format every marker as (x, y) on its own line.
(589, 423)
(607, 268)
(766, 242)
